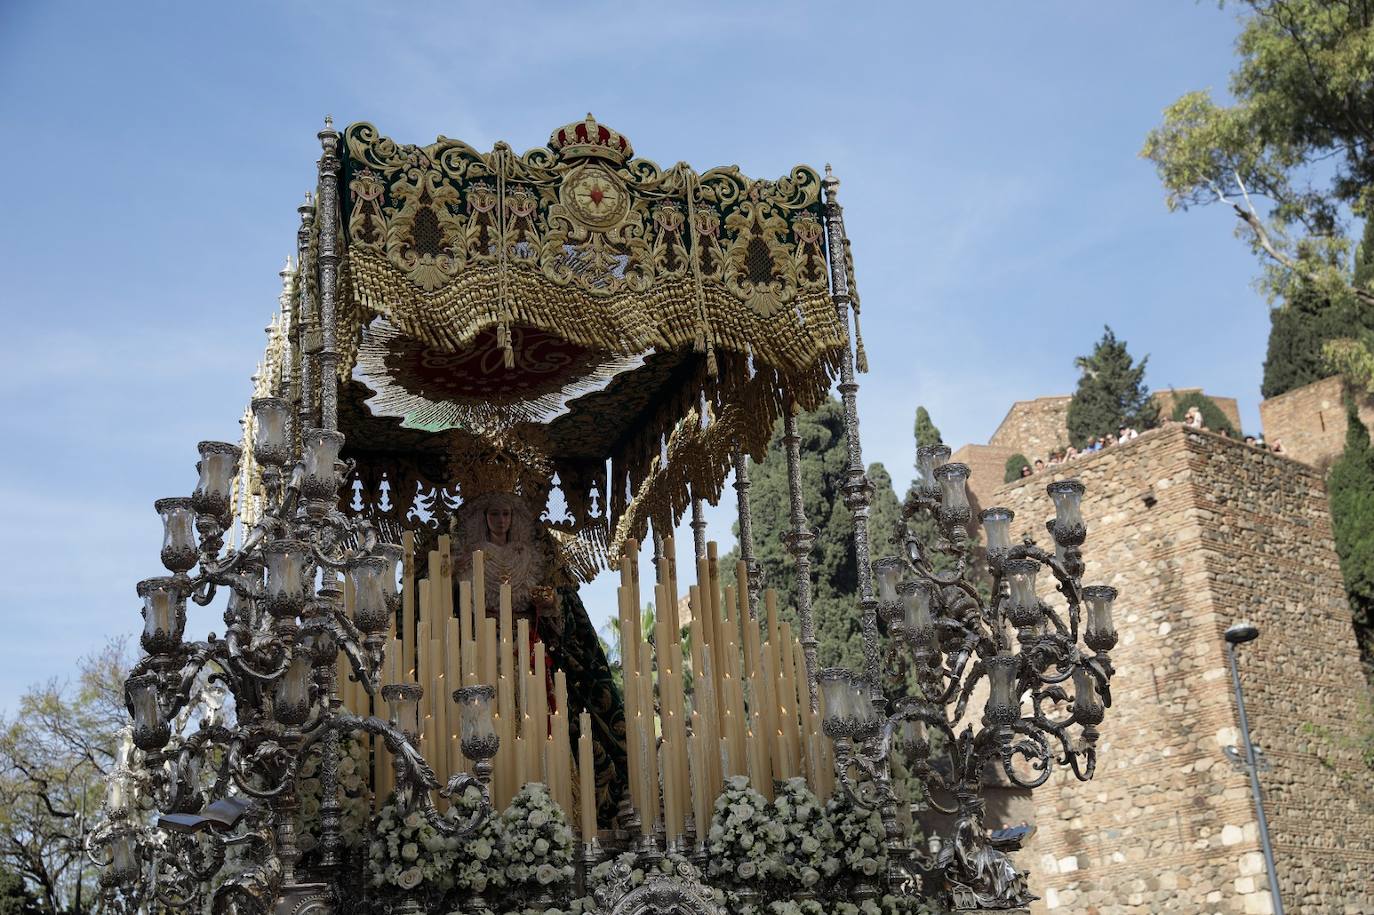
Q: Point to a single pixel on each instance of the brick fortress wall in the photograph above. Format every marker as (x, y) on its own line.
(1168, 825)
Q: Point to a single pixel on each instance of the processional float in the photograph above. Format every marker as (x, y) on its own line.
(491, 377)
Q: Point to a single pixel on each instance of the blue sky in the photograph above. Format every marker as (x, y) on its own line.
(155, 154)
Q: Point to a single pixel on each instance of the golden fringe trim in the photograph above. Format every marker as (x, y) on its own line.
(667, 316)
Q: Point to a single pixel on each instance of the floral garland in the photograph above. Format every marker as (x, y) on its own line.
(793, 856)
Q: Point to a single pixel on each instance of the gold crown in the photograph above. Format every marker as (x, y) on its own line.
(587, 138)
(478, 466)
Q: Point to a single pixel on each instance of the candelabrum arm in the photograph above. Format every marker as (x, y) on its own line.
(419, 778)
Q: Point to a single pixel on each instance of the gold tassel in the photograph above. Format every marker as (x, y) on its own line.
(503, 341)
(860, 356)
(712, 368)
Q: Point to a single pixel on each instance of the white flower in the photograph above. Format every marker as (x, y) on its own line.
(547, 874)
(541, 847)
(410, 851)
(746, 870)
(409, 879)
(413, 820)
(538, 818)
(482, 849)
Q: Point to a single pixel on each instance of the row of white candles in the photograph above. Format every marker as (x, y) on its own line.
(747, 713)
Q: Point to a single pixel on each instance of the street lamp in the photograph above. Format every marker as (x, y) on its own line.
(1239, 634)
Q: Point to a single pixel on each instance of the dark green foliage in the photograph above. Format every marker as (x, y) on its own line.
(1298, 330)
(1014, 465)
(926, 433)
(15, 898)
(835, 581)
(1351, 489)
(1212, 417)
(1111, 393)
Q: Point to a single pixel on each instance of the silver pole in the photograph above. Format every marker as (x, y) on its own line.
(1252, 766)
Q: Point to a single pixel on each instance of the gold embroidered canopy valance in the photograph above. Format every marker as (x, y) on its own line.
(624, 327)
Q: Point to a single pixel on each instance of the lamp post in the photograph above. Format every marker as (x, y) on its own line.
(1239, 634)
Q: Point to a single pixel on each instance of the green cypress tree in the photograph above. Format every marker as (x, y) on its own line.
(1298, 331)
(835, 578)
(1014, 465)
(926, 433)
(1111, 392)
(1212, 417)
(1350, 486)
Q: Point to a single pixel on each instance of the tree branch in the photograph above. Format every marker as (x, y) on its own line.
(1251, 218)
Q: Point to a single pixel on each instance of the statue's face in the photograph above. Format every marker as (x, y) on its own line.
(498, 523)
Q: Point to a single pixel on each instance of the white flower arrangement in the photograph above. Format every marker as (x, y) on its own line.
(480, 864)
(407, 853)
(536, 840)
(744, 842)
(857, 837)
(808, 846)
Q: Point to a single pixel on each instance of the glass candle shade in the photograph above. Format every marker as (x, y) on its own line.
(403, 706)
(321, 479)
(218, 465)
(1087, 705)
(370, 608)
(271, 431)
(1099, 632)
(291, 701)
(319, 642)
(179, 552)
(917, 618)
(392, 553)
(151, 732)
(997, 527)
(888, 575)
(928, 458)
(124, 858)
(164, 614)
(117, 798)
(284, 595)
(914, 737)
(247, 582)
(476, 730)
(953, 480)
(1067, 496)
(865, 716)
(838, 714)
(1023, 605)
(1003, 706)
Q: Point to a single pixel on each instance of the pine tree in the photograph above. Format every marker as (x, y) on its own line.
(1351, 490)
(835, 578)
(1111, 392)
(1013, 467)
(15, 898)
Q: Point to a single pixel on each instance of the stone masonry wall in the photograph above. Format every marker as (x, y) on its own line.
(1034, 427)
(1168, 824)
(1037, 427)
(1310, 421)
(987, 467)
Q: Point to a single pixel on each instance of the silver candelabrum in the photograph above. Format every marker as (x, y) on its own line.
(1047, 671)
(233, 780)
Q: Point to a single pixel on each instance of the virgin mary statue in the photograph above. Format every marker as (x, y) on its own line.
(519, 551)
